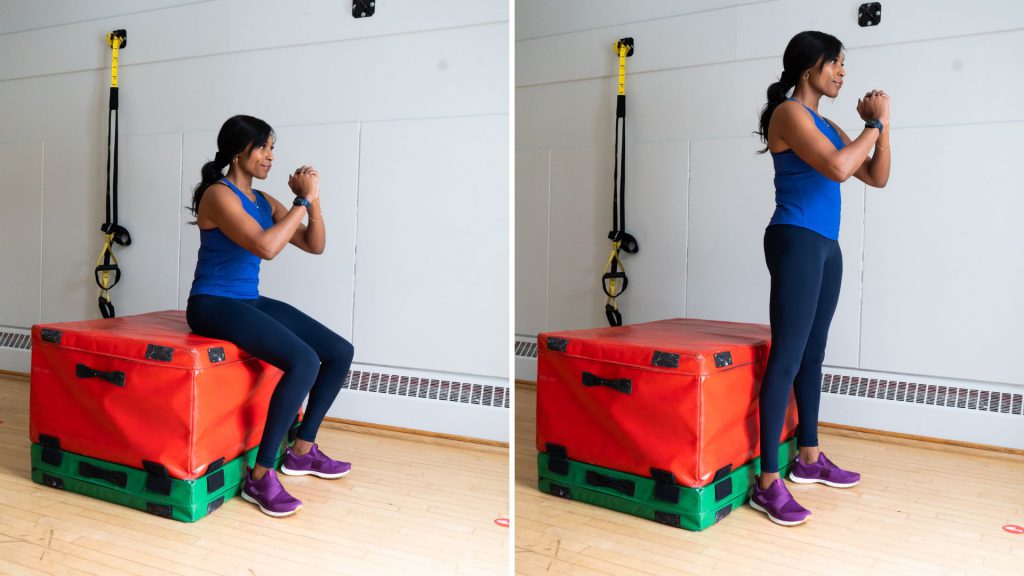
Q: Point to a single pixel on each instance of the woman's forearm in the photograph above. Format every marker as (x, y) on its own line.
(316, 231)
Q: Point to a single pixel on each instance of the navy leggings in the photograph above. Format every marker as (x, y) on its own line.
(315, 360)
(806, 270)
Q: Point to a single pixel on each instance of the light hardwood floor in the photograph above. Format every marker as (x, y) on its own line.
(918, 510)
(410, 507)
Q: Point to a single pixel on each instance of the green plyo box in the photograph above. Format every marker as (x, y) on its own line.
(147, 490)
(660, 500)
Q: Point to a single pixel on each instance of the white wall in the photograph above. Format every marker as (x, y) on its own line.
(932, 262)
(405, 114)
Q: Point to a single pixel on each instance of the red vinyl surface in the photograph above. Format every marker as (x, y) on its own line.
(184, 412)
(692, 419)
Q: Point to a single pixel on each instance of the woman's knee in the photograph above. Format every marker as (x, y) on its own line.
(339, 351)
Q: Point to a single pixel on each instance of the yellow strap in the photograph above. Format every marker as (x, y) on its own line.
(614, 256)
(105, 275)
(115, 44)
(622, 49)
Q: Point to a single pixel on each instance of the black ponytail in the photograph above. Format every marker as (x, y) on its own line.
(236, 136)
(805, 51)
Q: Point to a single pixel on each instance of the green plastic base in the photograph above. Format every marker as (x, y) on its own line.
(689, 508)
(184, 500)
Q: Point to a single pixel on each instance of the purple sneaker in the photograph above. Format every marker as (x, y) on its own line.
(823, 471)
(778, 504)
(269, 495)
(314, 462)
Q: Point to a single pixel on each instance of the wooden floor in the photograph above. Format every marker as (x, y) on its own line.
(409, 507)
(918, 510)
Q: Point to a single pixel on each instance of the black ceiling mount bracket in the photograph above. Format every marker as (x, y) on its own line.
(869, 14)
(363, 8)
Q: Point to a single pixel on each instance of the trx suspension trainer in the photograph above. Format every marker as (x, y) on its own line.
(614, 271)
(107, 271)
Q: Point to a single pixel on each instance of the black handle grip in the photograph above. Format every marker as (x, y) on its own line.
(627, 487)
(624, 385)
(115, 378)
(87, 470)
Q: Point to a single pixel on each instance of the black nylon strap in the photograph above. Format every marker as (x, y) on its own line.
(665, 487)
(115, 477)
(159, 509)
(723, 489)
(53, 481)
(116, 378)
(52, 453)
(558, 459)
(559, 490)
(667, 518)
(214, 505)
(215, 476)
(627, 487)
(624, 385)
(157, 479)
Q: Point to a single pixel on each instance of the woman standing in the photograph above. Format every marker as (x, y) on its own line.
(811, 156)
(238, 228)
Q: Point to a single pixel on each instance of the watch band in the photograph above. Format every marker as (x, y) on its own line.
(300, 201)
(875, 124)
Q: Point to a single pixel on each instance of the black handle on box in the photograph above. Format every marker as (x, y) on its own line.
(624, 385)
(115, 378)
(87, 470)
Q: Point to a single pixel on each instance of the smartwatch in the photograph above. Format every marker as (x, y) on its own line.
(876, 123)
(300, 201)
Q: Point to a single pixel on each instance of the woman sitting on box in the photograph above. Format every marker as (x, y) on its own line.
(812, 155)
(239, 227)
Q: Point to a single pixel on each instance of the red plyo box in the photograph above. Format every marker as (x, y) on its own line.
(676, 395)
(144, 389)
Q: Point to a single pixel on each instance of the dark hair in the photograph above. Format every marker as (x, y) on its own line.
(803, 52)
(236, 135)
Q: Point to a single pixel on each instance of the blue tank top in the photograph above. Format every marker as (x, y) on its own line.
(803, 196)
(225, 268)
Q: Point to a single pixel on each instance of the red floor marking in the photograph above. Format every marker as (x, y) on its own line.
(503, 522)
(1014, 529)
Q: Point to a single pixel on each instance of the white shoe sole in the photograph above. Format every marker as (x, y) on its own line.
(248, 498)
(290, 472)
(776, 520)
(800, 480)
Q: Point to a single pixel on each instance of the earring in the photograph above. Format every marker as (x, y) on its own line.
(236, 159)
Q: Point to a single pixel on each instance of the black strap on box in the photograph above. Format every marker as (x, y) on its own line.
(665, 487)
(668, 518)
(50, 335)
(627, 487)
(157, 479)
(557, 344)
(52, 454)
(559, 490)
(159, 353)
(115, 377)
(723, 484)
(53, 481)
(215, 476)
(159, 509)
(722, 513)
(624, 385)
(665, 360)
(216, 354)
(293, 432)
(558, 459)
(115, 477)
(214, 505)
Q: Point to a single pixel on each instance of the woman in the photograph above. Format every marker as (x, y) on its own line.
(812, 156)
(239, 227)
